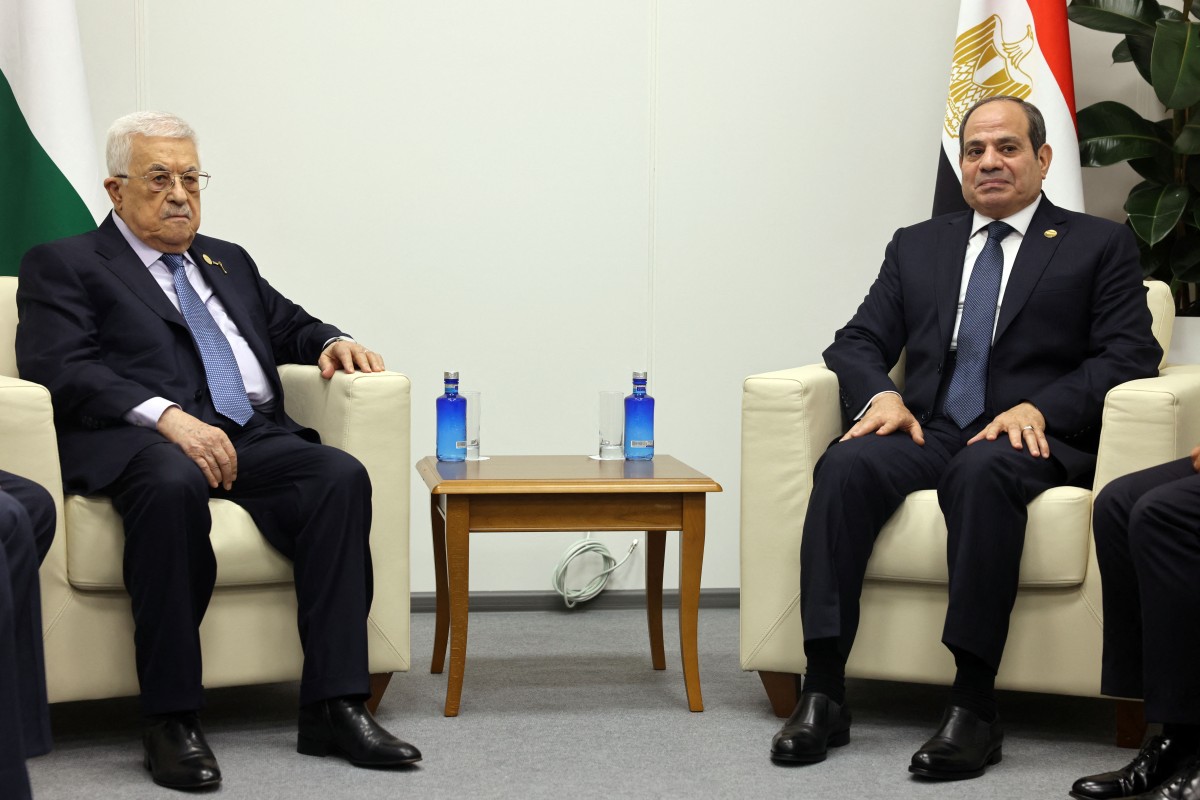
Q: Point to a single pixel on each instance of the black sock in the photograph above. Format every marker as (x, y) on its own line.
(826, 672)
(974, 685)
(1188, 736)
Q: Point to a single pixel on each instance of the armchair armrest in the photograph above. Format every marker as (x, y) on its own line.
(788, 420)
(367, 415)
(1149, 421)
(31, 450)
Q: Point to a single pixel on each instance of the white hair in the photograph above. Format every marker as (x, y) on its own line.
(119, 146)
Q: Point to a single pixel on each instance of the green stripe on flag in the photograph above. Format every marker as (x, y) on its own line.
(38, 204)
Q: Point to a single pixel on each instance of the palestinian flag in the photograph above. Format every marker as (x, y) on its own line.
(1019, 48)
(50, 184)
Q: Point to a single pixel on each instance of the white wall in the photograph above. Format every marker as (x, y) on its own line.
(548, 194)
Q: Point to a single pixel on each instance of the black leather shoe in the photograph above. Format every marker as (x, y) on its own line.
(177, 755)
(817, 723)
(1158, 759)
(1183, 785)
(345, 728)
(962, 748)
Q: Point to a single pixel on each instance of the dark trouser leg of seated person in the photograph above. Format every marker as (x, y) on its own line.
(983, 496)
(14, 780)
(313, 503)
(25, 536)
(169, 572)
(1127, 527)
(856, 487)
(1164, 538)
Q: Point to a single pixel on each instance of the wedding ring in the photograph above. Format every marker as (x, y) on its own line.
(1027, 428)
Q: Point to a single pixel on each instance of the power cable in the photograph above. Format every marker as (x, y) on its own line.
(596, 585)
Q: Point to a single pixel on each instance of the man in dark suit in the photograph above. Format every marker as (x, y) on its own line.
(159, 347)
(1147, 529)
(27, 521)
(1017, 318)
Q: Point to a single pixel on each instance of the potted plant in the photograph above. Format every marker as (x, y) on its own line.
(1164, 208)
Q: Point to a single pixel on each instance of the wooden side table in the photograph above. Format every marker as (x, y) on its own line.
(566, 493)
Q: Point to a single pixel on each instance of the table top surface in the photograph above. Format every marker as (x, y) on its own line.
(561, 475)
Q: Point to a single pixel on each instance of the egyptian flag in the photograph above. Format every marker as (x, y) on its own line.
(1019, 48)
(49, 184)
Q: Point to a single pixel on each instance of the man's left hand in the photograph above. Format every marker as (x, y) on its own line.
(1025, 426)
(348, 357)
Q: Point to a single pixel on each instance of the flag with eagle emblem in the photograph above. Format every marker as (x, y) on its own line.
(1020, 48)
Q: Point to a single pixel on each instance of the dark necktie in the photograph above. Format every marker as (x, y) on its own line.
(220, 367)
(968, 386)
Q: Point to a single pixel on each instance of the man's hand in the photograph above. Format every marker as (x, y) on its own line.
(886, 415)
(1196, 458)
(1025, 426)
(347, 356)
(209, 447)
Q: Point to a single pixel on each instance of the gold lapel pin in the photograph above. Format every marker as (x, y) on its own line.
(210, 262)
(1050, 234)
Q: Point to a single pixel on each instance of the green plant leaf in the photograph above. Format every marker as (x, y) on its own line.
(1155, 260)
(1116, 16)
(1112, 132)
(1120, 53)
(1160, 169)
(1141, 49)
(1188, 140)
(1155, 209)
(1185, 256)
(1175, 63)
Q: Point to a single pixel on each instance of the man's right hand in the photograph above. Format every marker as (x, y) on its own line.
(209, 447)
(886, 415)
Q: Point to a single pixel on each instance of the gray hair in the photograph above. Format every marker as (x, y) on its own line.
(1037, 123)
(119, 146)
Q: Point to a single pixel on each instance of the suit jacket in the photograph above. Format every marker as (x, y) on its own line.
(98, 331)
(1073, 324)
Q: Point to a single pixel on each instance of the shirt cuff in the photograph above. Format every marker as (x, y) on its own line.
(336, 339)
(146, 414)
(867, 407)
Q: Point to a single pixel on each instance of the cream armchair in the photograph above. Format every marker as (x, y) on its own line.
(249, 633)
(790, 417)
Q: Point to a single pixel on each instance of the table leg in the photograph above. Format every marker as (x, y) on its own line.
(656, 546)
(691, 562)
(441, 625)
(458, 553)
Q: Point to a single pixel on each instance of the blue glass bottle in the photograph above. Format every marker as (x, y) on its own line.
(451, 422)
(639, 421)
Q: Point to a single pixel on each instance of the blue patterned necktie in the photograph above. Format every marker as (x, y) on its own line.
(220, 367)
(968, 386)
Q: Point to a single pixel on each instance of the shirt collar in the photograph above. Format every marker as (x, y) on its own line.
(1019, 221)
(147, 254)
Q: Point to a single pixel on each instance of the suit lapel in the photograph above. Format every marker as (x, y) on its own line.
(223, 285)
(123, 262)
(1032, 259)
(950, 252)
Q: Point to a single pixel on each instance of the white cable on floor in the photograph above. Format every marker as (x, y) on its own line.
(596, 584)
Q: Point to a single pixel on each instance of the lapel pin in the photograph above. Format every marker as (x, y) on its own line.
(1050, 234)
(210, 262)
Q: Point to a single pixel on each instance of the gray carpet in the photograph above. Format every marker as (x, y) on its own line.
(562, 704)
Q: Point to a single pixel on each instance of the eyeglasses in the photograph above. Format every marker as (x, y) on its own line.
(161, 180)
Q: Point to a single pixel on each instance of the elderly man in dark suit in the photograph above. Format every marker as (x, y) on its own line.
(1017, 317)
(27, 521)
(159, 348)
